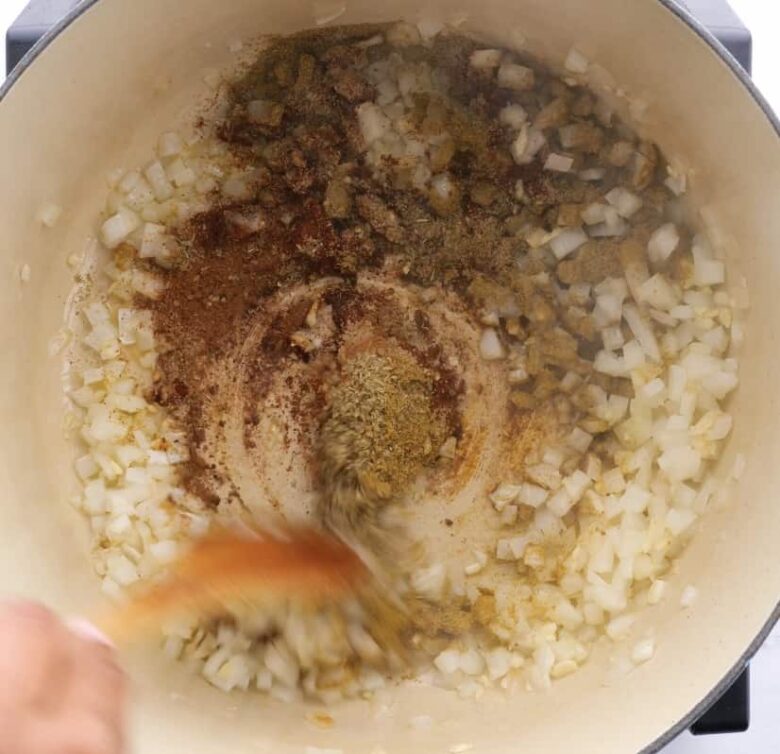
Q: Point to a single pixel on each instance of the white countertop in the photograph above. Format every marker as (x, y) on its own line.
(762, 17)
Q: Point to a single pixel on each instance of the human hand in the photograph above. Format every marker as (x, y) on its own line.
(61, 690)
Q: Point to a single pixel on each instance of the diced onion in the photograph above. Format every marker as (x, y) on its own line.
(490, 346)
(662, 243)
(513, 116)
(526, 145)
(576, 62)
(448, 661)
(643, 651)
(567, 242)
(624, 201)
(658, 293)
(591, 174)
(180, 174)
(430, 581)
(485, 59)
(558, 162)
(706, 270)
(643, 331)
(594, 214)
(169, 144)
(532, 495)
(517, 77)
(374, 124)
(619, 627)
(118, 227)
(158, 179)
(504, 494)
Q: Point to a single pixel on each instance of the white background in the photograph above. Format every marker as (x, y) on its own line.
(762, 17)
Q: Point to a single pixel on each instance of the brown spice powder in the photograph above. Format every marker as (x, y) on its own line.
(317, 210)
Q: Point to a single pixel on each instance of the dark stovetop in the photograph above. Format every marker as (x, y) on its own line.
(731, 713)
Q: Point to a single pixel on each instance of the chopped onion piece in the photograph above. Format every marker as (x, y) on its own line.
(430, 581)
(443, 186)
(121, 569)
(677, 184)
(169, 144)
(567, 241)
(504, 494)
(526, 145)
(156, 243)
(180, 174)
(609, 230)
(158, 180)
(594, 214)
(662, 243)
(513, 116)
(532, 495)
(560, 163)
(499, 662)
(678, 520)
(592, 174)
(490, 346)
(478, 565)
(118, 227)
(680, 463)
(643, 331)
(429, 27)
(624, 201)
(517, 77)
(575, 485)
(374, 124)
(485, 60)
(471, 662)
(544, 474)
(579, 440)
(576, 62)
(656, 592)
(609, 302)
(643, 651)
(609, 363)
(707, 271)
(658, 293)
(448, 661)
(619, 627)
(612, 338)
(403, 34)
(560, 503)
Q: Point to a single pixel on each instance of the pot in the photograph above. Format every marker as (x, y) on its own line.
(96, 93)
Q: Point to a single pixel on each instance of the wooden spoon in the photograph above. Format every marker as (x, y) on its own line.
(228, 565)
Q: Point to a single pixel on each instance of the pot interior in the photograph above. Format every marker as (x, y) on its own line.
(97, 98)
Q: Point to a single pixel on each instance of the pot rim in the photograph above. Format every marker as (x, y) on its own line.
(744, 79)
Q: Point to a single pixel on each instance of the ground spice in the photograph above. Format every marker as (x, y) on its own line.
(315, 209)
(382, 427)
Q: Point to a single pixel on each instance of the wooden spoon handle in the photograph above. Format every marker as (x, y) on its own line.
(224, 567)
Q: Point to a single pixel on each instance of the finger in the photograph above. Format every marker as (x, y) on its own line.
(35, 656)
(75, 733)
(99, 685)
(89, 631)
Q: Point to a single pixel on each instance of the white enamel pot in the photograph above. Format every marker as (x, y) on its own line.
(86, 101)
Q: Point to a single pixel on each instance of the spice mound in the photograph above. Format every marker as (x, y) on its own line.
(381, 427)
